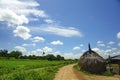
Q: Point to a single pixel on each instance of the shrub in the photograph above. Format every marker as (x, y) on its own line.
(106, 73)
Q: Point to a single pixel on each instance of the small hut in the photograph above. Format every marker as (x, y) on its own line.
(115, 60)
(92, 62)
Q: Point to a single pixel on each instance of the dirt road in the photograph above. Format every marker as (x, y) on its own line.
(68, 73)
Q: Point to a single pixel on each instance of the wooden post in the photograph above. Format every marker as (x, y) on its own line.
(119, 69)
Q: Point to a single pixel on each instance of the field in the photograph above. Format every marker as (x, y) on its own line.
(29, 69)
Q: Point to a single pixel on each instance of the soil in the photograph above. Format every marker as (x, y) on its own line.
(69, 73)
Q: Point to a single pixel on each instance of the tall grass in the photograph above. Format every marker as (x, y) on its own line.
(29, 69)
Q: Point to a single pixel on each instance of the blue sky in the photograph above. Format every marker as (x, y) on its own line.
(62, 27)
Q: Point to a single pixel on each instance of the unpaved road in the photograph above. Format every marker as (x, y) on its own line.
(69, 73)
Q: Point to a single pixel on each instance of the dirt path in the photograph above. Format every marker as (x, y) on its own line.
(68, 73)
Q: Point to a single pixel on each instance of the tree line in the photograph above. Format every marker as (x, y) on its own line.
(19, 55)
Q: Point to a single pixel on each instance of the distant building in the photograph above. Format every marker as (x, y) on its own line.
(115, 60)
(92, 62)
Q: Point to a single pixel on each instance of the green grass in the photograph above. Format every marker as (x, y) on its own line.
(29, 69)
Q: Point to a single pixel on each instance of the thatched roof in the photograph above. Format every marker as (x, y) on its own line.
(115, 59)
(92, 61)
(90, 54)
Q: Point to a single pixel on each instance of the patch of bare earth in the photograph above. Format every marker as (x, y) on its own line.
(94, 77)
(69, 73)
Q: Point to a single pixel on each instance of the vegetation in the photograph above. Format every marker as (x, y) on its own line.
(22, 69)
(16, 66)
(18, 55)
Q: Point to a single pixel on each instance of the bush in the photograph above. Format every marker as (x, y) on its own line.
(106, 73)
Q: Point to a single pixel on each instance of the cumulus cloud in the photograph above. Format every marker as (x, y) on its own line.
(18, 12)
(22, 32)
(100, 43)
(111, 43)
(68, 55)
(20, 48)
(103, 53)
(76, 48)
(57, 42)
(12, 18)
(71, 55)
(47, 49)
(118, 35)
(38, 39)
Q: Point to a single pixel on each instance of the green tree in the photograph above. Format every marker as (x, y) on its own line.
(4, 53)
(58, 57)
(50, 57)
(16, 54)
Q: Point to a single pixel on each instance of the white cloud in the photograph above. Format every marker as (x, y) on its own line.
(12, 18)
(68, 55)
(71, 56)
(111, 43)
(18, 12)
(20, 48)
(58, 30)
(107, 52)
(38, 39)
(76, 48)
(49, 21)
(29, 44)
(22, 32)
(57, 42)
(103, 53)
(81, 45)
(66, 32)
(118, 35)
(100, 43)
(114, 49)
(119, 44)
(47, 49)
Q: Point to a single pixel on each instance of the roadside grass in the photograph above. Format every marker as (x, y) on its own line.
(29, 69)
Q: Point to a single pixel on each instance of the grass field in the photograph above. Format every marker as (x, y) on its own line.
(29, 69)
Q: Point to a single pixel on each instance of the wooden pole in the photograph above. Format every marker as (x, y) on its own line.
(119, 69)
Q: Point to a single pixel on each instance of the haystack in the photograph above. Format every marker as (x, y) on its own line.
(92, 62)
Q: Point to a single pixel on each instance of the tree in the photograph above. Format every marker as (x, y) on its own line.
(59, 57)
(4, 53)
(16, 54)
(50, 57)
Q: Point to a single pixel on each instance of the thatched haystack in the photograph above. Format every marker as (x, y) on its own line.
(92, 62)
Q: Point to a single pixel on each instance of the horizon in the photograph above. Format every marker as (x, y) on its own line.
(57, 27)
